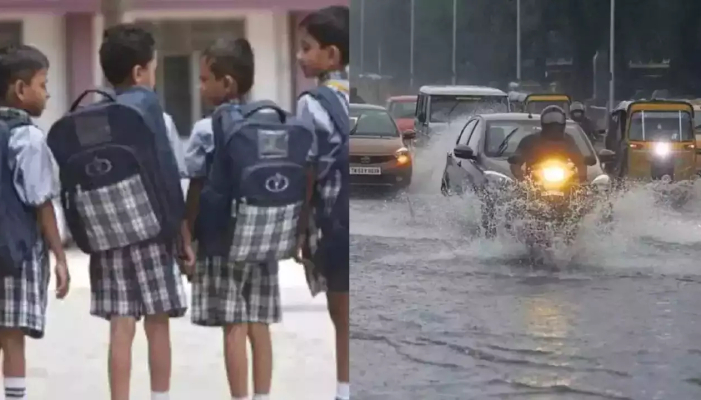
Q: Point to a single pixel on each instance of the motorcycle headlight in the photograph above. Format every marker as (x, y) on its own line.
(403, 156)
(662, 149)
(554, 174)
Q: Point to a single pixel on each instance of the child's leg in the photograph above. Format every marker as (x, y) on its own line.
(14, 363)
(122, 331)
(236, 359)
(340, 316)
(262, 347)
(157, 329)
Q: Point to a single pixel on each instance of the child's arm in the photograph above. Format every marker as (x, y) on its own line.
(192, 205)
(36, 184)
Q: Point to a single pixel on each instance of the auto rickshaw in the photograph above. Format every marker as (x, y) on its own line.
(653, 140)
(536, 102)
(697, 132)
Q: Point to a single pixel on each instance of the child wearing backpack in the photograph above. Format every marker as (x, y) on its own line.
(140, 279)
(323, 54)
(241, 297)
(27, 186)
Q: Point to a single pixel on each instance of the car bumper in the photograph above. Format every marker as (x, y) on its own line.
(391, 175)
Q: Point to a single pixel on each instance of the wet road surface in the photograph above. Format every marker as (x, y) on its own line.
(440, 313)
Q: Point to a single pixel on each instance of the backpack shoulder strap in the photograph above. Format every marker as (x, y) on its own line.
(328, 99)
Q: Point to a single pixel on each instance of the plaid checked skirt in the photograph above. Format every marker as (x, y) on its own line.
(225, 293)
(23, 298)
(137, 280)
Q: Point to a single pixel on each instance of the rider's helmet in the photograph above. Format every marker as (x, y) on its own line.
(577, 110)
(552, 121)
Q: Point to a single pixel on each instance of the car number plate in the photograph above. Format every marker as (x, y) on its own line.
(554, 193)
(365, 171)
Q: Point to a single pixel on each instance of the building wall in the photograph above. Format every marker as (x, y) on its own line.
(47, 32)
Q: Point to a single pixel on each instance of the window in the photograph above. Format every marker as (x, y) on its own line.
(10, 33)
(373, 123)
(402, 109)
(661, 125)
(445, 108)
(473, 141)
(465, 134)
(421, 109)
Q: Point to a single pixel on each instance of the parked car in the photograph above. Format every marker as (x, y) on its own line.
(379, 155)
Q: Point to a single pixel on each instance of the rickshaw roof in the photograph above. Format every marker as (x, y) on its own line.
(465, 90)
(548, 95)
(658, 102)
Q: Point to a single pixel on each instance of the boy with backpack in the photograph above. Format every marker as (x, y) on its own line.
(124, 204)
(245, 204)
(27, 188)
(324, 55)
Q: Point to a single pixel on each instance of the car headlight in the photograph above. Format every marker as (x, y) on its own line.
(662, 149)
(602, 181)
(494, 177)
(403, 156)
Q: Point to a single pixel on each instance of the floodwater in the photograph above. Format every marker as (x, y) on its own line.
(440, 313)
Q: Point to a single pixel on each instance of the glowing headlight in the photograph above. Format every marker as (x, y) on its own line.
(403, 156)
(553, 174)
(662, 149)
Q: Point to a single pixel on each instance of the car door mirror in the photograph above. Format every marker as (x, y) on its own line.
(464, 152)
(515, 160)
(606, 156)
(590, 161)
(409, 135)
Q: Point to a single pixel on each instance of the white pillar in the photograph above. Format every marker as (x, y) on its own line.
(268, 32)
(47, 33)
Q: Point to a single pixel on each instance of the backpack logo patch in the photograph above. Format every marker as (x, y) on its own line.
(277, 183)
(98, 167)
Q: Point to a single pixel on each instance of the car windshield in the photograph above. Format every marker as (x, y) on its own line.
(372, 123)
(497, 131)
(446, 108)
(402, 109)
(536, 107)
(661, 125)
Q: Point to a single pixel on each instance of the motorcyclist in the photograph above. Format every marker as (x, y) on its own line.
(550, 142)
(579, 115)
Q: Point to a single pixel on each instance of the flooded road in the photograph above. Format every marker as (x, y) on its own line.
(440, 313)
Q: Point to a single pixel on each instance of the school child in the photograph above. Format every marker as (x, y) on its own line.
(241, 297)
(26, 191)
(323, 54)
(125, 206)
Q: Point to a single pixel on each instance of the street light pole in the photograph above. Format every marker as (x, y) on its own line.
(362, 36)
(612, 58)
(518, 40)
(455, 37)
(411, 47)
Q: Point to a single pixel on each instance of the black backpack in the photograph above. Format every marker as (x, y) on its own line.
(119, 177)
(18, 225)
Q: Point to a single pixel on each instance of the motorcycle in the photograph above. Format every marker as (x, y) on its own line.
(550, 204)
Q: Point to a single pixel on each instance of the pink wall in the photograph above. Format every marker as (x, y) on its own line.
(299, 82)
(65, 6)
(79, 53)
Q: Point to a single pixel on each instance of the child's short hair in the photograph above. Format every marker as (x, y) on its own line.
(329, 26)
(124, 47)
(234, 58)
(19, 62)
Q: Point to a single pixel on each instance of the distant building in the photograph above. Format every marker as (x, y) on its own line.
(69, 32)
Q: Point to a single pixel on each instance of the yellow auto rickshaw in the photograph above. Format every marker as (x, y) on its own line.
(653, 140)
(697, 132)
(536, 102)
